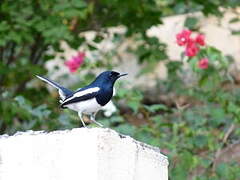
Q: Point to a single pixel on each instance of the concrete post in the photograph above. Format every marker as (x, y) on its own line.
(83, 153)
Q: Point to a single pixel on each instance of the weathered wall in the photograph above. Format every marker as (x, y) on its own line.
(82, 153)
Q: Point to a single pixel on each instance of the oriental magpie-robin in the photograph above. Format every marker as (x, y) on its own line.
(89, 99)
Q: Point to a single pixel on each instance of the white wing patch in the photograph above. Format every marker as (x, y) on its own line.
(62, 96)
(82, 93)
(87, 91)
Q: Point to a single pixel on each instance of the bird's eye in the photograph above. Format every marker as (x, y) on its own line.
(113, 74)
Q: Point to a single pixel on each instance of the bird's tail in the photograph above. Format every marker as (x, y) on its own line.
(63, 92)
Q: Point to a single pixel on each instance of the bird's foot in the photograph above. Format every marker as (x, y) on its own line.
(81, 118)
(92, 118)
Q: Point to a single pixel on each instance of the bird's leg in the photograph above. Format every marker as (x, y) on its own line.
(92, 118)
(81, 118)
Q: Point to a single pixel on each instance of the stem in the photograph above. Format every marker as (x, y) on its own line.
(20, 51)
(35, 47)
(227, 134)
(38, 55)
(11, 56)
(5, 52)
(1, 53)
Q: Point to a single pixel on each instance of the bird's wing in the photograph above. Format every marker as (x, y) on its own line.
(81, 95)
(63, 92)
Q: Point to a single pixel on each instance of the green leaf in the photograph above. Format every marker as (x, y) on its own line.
(191, 22)
(125, 129)
(64, 120)
(20, 100)
(235, 32)
(156, 107)
(116, 119)
(79, 3)
(200, 141)
(180, 8)
(234, 20)
(222, 169)
(41, 112)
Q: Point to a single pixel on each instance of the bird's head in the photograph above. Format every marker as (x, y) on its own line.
(109, 76)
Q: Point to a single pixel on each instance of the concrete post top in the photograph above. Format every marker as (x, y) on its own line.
(100, 153)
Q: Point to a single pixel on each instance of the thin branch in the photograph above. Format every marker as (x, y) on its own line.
(11, 56)
(1, 53)
(21, 51)
(36, 45)
(229, 131)
(6, 52)
(218, 152)
(39, 54)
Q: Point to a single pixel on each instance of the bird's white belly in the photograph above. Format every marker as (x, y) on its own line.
(86, 107)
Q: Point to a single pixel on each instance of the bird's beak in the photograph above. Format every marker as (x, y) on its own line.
(120, 75)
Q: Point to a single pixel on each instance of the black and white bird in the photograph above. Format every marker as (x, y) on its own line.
(89, 99)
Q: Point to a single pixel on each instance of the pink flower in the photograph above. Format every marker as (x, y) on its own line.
(183, 37)
(76, 61)
(203, 63)
(191, 48)
(200, 39)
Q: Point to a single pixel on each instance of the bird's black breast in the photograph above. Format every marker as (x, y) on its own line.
(104, 96)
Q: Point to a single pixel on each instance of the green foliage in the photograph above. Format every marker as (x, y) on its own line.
(190, 134)
(232, 171)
